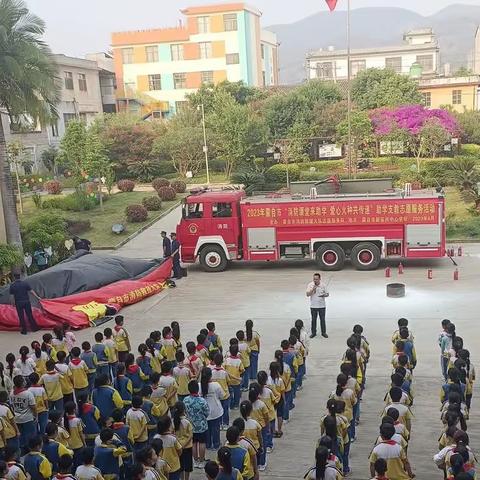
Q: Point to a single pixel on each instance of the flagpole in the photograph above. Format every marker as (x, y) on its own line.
(349, 95)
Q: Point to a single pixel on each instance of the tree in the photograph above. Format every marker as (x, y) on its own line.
(15, 151)
(27, 87)
(182, 142)
(236, 133)
(327, 117)
(376, 88)
(49, 158)
(72, 149)
(469, 122)
(425, 131)
(464, 173)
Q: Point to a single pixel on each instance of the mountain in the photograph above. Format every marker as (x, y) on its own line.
(454, 27)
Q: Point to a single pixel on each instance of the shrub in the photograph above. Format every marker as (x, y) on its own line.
(179, 186)
(47, 229)
(152, 204)
(217, 165)
(10, 256)
(126, 185)
(53, 187)
(471, 149)
(75, 202)
(159, 183)
(136, 213)
(167, 194)
(90, 187)
(278, 173)
(37, 200)
(77, 227)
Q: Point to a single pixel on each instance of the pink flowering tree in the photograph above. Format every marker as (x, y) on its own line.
(422, 130)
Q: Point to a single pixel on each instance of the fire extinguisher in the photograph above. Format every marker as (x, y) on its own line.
(456, 274)
(388, 272)
(430, 274)
(460, 251)
(400, 268)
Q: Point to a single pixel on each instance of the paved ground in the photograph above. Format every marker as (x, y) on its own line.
(273, 296)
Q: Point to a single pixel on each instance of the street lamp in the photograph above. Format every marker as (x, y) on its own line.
(201, 108)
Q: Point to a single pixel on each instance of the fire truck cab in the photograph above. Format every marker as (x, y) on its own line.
(222, 226)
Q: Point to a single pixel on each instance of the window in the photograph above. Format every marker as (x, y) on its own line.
(69, 80)
(325, 70)
(263, 51)
(193, 210)
(426, 61)
(394, 63)
(205, 49)
(55, 129)
(232, 58)
(427, 98)
(83, 117)
(82, 82)
(264, 78)
(207, 77)
(127, 55)
(180, 105)
(230, 22)
(177, 52)
(151, 54)
(155, 82)
(68, 117)
(203, 24)
(456, 97)
(357, 66)
(179, 80)
(222, 210)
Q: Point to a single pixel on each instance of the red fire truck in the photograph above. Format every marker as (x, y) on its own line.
(222, 226)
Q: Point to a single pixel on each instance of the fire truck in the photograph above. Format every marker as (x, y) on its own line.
(218, 227)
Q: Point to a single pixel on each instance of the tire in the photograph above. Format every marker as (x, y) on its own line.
(213, 259)
(330, 257)
(365, 256)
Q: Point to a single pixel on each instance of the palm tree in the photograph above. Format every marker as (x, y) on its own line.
(28, 89)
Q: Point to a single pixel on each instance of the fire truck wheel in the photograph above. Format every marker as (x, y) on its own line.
(330, 257)
(213, 259)
(365, 256)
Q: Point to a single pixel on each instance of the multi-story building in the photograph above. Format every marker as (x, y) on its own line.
(458, 93)
(82, 97)
(418, 56)
(156, 69)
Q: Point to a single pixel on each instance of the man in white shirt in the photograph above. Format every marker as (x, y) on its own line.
(317, 292)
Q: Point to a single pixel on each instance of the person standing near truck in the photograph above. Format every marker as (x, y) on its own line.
(167, 245)
(317, 292)
(175, 254)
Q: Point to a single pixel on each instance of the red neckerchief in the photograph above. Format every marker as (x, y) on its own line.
(16, 391)
(87, 408)
(36, 385)
(218, 368)
(117, 425)
(117, 328)
(192, 358)
(389, 442)
(381, 477)
(168, 337)
(210, 333)
(200, 347)
(133, 368)
(166, 374)
(53, 372)
(236, 357)
(76, 361)
(194, 395)
(71, 417)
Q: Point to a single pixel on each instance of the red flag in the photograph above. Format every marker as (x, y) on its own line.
(332, 4)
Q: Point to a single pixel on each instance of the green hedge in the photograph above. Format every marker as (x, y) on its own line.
(278, 173)
(470, 149)
(75, 202)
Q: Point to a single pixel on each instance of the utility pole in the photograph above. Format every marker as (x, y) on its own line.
(205, 146)
(349, 94)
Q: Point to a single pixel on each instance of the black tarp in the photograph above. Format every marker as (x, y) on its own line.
(82, 272)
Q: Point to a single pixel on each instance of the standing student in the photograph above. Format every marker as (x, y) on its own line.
(445, 346)
(240, 455)
(90, 416)
(158, 396)
(90, 359)
(59, 341)
(79, 370)
(380, 466)
(35, 463)
(350, 399)
(123, 385)
(53, 387)
(290, 358)
(7, 416)
(227, 471)
(122, 340)
(175, 326)
(197, 412)
(261, 415)
(182, 375)
(245, 443)
(303, 338)
(108, 455)
(161, 466)
(52, 448)
(211, 470)
(322, 469)
(213, 393)
(167, 382)
(234, 366)
(25, 411)
(70, 338)
(112, 354)
(137, 420)
(244, 352)
(88, 471)
(270, 399)
(25, 365)
(65, 465)
(220, 375)
(123, 432)
(184, 432)
(6, 382)
(41, 402)
(134, 373)
(286, 376)
(252, 429)
(105, 397)
(15, 470)
(193, 361)
(144, 360)
(171, 447)
(148, 458)
(169, 345)
(101, 351)
(213, 339)
(66, 382)
(253, 340)
(74, 427)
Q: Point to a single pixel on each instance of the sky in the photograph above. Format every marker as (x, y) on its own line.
(79, 27)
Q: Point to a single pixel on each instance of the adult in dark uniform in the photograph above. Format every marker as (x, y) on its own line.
(177, 271)
(20, 296)
(167, 245)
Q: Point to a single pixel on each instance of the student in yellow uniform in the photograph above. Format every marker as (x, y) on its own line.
(398, 467)
(161, 466)
(252, 430)
(79, 371)
(245, 443)
(52, 448)
(88, 471)
(112, 354)
(137, 420)
(322, 468)
(36, 464)
(122, 340)
(169, 345)
(350, 399)
(240, 455)
(405, 415)
(270, 398)
(66, 382)
(168, 383)
(74, 427)
(158, 396)
(41, 401)
(244, 352)
(182, 375)
(275, 383)
(253, 339)
(171, 447)
(226, 470)
(148, 458)
(16, 471)
(11, 431)
(193, 361)
(261, 414)
(52, 383)
(402, 322)
(220, 375)
(156, 358)
(39, 357)
(234, 366)
(183, 430)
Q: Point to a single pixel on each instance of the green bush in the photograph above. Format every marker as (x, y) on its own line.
(10, 256)
(471, 149)
(152, 204)
(136, 213)
(179, 186)
(217, 165)
(167, 193)
(165, 167)
(75, 202)
(278, 173)
(323, 166)
(68, 182)
(77, 227)
(48, 229)
(307, 176)
(53, 187)
(159, 183)
(126, 185)
(37, 200)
